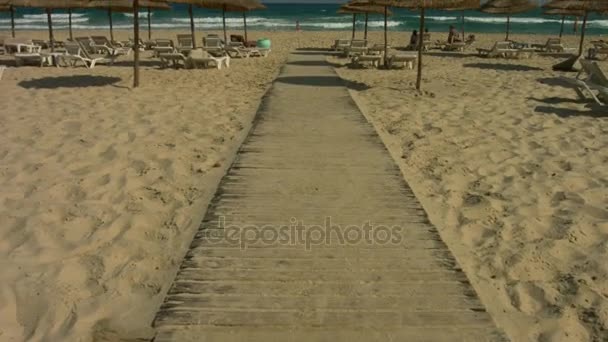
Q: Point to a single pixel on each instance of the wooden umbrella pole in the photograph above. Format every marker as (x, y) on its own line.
(224, 24)
(70, 23)
(111, 28)
(463, 35)
(366, 17)
(191, 14)
(561, 29)
(508, 22)
(420, 43)
(50, 20)
(580, 46)
(385, 37)
(136, 48)
(149, 25)
(354, 22)
(13, 21)
(245, 25)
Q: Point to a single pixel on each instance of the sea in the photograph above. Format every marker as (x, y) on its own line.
(311, 17)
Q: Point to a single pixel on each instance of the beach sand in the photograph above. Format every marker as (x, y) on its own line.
(103, 185)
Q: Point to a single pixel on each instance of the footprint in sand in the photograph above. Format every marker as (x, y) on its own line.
(109, 153)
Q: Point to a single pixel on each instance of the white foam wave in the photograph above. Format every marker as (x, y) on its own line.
(441, 18)
(140, 14)
(503, 20)
(381, 23)
(598, 23)
(55, 21)
(54, 16)
(214, 20)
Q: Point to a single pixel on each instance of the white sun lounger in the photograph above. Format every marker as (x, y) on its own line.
(407, 60)
(361, 60)
(598, 51)
(18, 45)
(2, 68)
(175, 59)
(200, 57)
(103, 44)
(214, 46)
(595, 81)
(75, 53)
(28, 58)
(340, 44)
(238, 50)
(163, 46)
(185, 43)
(259, 52)
(500, 49)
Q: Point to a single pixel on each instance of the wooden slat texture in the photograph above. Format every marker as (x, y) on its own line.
(312, 158)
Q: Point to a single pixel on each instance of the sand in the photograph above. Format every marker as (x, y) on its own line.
(104, 185)
(513, 172)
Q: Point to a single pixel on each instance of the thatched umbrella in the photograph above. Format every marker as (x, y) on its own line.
(9, 8)
(507, 7)
(420, 5)
(232, 6)
(124, 6)
(563, 13)
(575, 7)
(465, 5)
(49, 6)
(361, 9)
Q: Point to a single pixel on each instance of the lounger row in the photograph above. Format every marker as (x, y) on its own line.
(506, 49)
(213, 45)
(195, 59)
(591, 80)
(81, 50)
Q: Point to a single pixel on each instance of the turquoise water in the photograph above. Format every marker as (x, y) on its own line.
(282, 17)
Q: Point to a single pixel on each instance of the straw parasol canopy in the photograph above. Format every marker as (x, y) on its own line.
(575, 7)
(48, 5)
(420, 5)
(232, 6)
(125, 6)
(507, 7)
(465, 5)
(362, 9)
(564, 14)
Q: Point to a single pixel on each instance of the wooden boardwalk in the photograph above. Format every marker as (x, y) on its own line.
(261, 267)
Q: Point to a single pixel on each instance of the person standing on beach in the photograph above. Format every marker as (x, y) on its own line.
(298, 29)
(453, 35)
(413, 40)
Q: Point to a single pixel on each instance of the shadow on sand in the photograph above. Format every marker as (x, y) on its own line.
(554, 81)
(322, 81)
(142, 63)
(311, 53)
(451, 54)
(310, 63)
(76, 81)
(595, 111)
(315, 49)
(503, 67)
